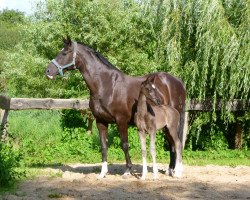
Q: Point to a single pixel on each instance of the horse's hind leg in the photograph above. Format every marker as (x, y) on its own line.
(103, 131)
(169, 138)
(178, 149)
(142, 136)
(153, 154)
(123, 130)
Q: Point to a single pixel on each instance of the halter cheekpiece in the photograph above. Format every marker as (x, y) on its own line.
(61, 68)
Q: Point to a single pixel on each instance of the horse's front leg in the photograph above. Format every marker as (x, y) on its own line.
(142, 136)
(123, 130)
(103, 133)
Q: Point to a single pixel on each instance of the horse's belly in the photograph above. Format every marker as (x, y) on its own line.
(100, 112)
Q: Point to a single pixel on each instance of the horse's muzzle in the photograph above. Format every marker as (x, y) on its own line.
(50, 77)
(49, 73)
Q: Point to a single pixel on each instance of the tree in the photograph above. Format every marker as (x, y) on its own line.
(205, 43)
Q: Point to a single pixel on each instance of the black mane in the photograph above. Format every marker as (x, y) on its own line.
(99, 56)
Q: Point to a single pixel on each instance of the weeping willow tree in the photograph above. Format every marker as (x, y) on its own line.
(206, 43)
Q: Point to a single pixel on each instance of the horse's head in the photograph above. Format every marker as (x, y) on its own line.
(150, 90)
(65, 60)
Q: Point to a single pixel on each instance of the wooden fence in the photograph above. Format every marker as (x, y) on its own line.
(7, 104)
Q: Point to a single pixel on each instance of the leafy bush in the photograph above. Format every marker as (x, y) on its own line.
(73, 119)
(9, 160)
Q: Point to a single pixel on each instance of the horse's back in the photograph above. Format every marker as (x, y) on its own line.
(165, 115)
(171, 89)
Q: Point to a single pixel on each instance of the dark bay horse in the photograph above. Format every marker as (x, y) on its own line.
(114, 95)
(150, 118)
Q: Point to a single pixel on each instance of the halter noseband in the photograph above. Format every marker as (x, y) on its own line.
(60, 68)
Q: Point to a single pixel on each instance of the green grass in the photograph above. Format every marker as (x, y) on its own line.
(225, 157)
(41, 140)
(35, 125)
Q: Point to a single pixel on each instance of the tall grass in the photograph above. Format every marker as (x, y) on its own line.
(41, 140)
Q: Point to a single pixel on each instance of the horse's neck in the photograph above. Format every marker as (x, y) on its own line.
(142, 105)
(95, 72)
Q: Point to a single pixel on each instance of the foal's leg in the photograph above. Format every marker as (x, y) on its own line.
(142, 136)
(103, 132)
(153, 154)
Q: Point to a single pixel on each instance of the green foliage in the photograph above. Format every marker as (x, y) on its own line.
(222, 157)
(9, 160)
(12, 16)
(29, 128)
(110, 27)
(205, 43)
(73, 119)
(209, 131)
(10, 36)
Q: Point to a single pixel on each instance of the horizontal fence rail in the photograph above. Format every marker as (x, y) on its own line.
(46, 104)
(7, 103)
(210, 105)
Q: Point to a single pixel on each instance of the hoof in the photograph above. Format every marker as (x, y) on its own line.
(143, 177)
(170, 172)
(101, 175)
(155, 177)
(126, 175)
(178, 174)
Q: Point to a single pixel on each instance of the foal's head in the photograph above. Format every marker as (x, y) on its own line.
(149, 89)
(64, 61)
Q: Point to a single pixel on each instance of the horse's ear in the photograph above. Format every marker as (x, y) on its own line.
(67, 41)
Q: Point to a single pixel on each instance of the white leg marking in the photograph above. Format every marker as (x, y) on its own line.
(155, 171)
(144, 169)
(178, 170)
(104, 170)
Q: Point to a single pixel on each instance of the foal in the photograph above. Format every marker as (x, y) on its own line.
(152, 118)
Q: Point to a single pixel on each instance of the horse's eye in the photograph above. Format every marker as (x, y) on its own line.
(64, 53)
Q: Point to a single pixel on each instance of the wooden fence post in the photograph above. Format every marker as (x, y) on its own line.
(238, 138)
(185, 128)
(3, 124)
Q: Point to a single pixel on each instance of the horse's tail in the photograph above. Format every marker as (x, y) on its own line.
(183, 126)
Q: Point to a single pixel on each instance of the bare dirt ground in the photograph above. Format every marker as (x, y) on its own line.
(79, 181)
